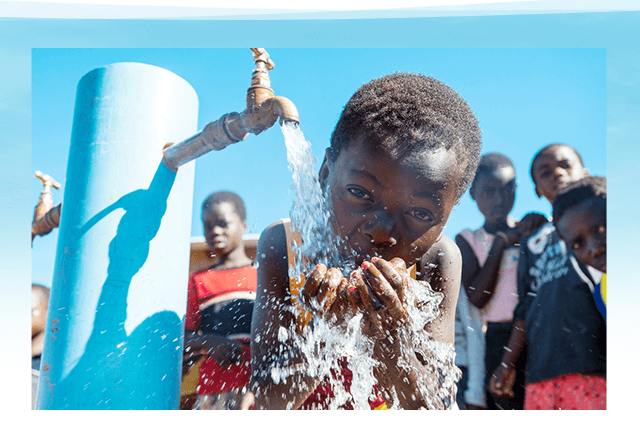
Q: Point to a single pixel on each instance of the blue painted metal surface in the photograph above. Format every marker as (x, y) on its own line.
(118, 300)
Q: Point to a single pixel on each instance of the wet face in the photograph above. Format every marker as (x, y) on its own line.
(495, 193)
(223, 228)
(555, 169)
(390, 207)
(583, 227)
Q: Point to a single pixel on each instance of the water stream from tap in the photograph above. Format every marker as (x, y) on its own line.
(325, 345)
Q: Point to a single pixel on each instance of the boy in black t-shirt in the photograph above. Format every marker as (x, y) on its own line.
(556, 315)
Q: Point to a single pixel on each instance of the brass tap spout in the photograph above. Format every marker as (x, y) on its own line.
(262, 111)
(263, 108)
(45, 216)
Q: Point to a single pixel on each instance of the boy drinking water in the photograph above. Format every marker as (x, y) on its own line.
(404, 150)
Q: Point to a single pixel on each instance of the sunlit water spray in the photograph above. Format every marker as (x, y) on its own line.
(324, 345)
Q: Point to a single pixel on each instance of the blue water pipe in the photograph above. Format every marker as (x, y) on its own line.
(118, 296)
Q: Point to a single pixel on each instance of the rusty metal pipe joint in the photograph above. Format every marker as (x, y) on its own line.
(46, 223)
(262, 111)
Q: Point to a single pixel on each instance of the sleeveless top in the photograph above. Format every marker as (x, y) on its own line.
(322, 395)
(221, 302)
(505, 294)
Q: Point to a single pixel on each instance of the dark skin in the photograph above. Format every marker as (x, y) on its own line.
(223, 230)
(391, 211)
(555, 167)
(494, 193)
(583, 228)
(39, 305)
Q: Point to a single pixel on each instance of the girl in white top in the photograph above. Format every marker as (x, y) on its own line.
(490, 261)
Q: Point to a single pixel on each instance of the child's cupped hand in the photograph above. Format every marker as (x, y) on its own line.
(376, 289)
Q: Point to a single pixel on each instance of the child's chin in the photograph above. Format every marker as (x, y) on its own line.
(599, 265)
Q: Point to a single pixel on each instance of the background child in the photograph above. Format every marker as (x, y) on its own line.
(580, 217)
(470, 346)
(556, 316)
(220, 305)
(39, 306)
(489, 264)
(403, 152)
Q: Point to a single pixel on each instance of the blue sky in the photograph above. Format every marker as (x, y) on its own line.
(523, 99)
(566, 51)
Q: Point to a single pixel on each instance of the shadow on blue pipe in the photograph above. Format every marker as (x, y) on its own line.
(131, 383)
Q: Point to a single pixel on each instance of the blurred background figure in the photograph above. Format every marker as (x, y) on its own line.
(489, 273)
(39, 305)
(556, 317)
(580, 217)
(219, 309)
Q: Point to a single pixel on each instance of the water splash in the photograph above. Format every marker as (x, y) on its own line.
(325, 345)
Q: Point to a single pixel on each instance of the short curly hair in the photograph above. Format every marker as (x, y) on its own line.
(490, 162)
(226, 196)
(577, 192)
(404, 112)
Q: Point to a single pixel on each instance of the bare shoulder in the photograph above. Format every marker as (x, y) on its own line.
(442, 263)
(441, 266)
(272, 256)
(272, 295)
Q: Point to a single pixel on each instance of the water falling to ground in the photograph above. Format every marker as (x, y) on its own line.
(325, 345)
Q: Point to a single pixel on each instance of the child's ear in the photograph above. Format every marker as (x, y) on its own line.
(324, 171)
(585, 172)
(472, 192)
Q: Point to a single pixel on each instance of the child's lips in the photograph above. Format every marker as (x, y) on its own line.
(216, 241)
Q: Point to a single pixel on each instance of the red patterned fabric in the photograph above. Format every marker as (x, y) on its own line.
(207, 285)
(215, 379)
(570, 391)
(203, 287)
(322, 396)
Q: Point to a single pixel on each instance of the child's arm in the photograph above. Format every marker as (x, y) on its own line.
(225, 351)
(504, 376)
(271, 311)
(479, 283)
(444, 277)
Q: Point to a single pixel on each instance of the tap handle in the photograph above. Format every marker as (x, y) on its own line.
(47, 181)
(261, 55)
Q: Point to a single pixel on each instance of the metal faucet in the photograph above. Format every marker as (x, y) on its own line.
(262, 111)
(45, 216)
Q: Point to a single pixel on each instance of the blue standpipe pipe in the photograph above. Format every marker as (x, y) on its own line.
(119, 290)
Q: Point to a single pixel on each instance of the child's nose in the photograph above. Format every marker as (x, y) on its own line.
(558, 171)
(596, 246)
(380, 229)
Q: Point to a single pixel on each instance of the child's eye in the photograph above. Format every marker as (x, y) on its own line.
(359, 193)
(421, 214)
(576, 245)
